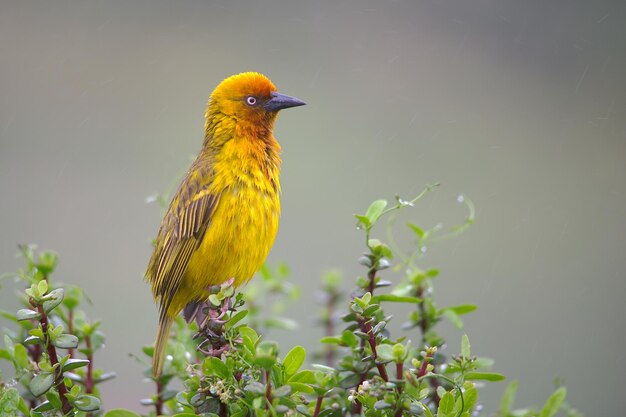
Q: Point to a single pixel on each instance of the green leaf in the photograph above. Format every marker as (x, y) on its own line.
(47, 262)
(32, 340)
(385, 352)
(293, 360)
(304, 377)
(54, 399)
(9, 402)
(41, 383)
(236, 318)
(381, 405)
(454, 318)
(395, 299)
(66, 341)
(265, 362)
(465, 347)
(283, 391)
(214, 366)
(255, 387)
(44, 406)
(52, 300)
(323, 368)
(446, 405)
(363, 220)
(21, 356)
(300, 387)
(87, 403)
(484, 376)
(349, 339)
(331, 340)
(175, 415)
(214, 299)
(461, 309)
(73, 296)
(554, 403)
(508, 398)
(106, 376)
(375, 210)
(248, 333)
(27, 314)
(350, 381)
(470, 396)
(427, 411)
(74, 364)
(8, 343)
(418, 230)
(42, 287)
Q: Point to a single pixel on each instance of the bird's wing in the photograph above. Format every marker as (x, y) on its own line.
(181, 232)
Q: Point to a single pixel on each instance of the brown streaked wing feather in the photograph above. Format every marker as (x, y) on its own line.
(181, 233)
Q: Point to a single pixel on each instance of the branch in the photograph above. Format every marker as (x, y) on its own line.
(54, 360)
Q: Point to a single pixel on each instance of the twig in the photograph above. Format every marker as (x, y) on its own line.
(89, 381)
(54, 360)
(159, 400)
(268, 389)
(318, 405)
(366, 327)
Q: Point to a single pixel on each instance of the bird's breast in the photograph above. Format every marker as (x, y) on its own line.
(243, 225)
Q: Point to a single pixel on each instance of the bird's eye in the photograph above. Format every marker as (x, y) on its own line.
(251, 101)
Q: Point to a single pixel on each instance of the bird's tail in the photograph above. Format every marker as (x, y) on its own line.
(163, 335)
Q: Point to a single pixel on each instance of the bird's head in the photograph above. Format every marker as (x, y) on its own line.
(249, 97)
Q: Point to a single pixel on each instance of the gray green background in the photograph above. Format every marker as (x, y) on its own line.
(519, 105)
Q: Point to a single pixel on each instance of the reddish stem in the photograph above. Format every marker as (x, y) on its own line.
(366, 327)
(54, 360)
(318, 405)
(423, 368)
(159, 400)
(268, 389)
(399, 370)
(399, 375)
(424, 327)
(89, 381)
(357, 407)
(371, 275)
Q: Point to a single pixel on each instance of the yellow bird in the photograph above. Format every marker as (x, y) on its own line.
(222, 222)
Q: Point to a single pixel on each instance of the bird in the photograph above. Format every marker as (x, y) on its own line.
(223, 218)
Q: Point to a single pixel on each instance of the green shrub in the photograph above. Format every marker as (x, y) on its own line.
(228, 368)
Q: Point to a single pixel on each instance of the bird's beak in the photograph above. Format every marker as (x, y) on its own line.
(282, 101)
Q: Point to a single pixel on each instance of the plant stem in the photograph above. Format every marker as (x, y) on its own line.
(159, 400)
(54, 360)
(89, 380)
(268, 389)
(423, 323)
(399, 370)
(366, 327)
(318, 405)
(371, 275)
(399, 376)
(357, 407)
(433, 382)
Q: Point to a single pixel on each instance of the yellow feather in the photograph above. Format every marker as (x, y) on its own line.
(222, 222)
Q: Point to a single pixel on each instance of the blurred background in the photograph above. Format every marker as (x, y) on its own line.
(520, 106)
